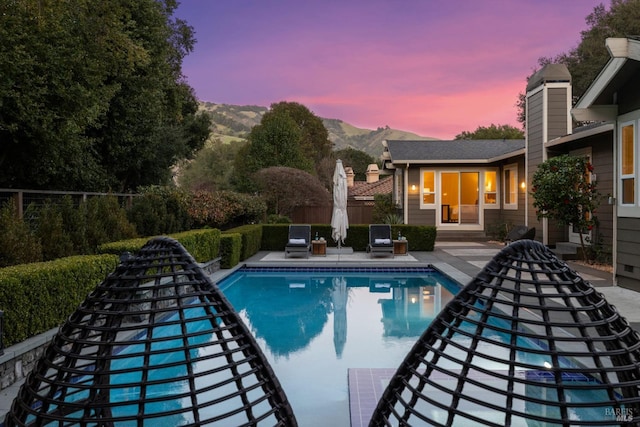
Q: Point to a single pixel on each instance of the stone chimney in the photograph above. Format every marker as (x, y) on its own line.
(373, 174)
(349, 171)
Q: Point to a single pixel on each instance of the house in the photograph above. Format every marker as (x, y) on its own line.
(458, 186)
(462, 186)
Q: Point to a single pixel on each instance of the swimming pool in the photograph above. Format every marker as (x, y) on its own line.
(315, 324)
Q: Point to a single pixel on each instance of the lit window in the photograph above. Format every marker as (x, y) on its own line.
(510, 186)
(627, 161)
(490, 188)
(428, 188)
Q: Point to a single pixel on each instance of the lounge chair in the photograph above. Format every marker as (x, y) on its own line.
(299, 241)
(380, 241)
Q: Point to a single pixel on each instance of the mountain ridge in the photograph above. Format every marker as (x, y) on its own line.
(232, 123)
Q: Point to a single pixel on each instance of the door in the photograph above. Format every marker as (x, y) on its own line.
(574, 234)
(459, 198)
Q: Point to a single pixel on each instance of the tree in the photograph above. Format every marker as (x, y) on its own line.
(587, 59)
(285, 189)
(562, 190)
(92, 95)
(211, 167)
(288, 135)
(356, 159)
(493, 132)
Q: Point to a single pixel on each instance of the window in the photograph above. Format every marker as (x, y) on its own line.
(510, 187)
(490, 188)
(627, 162)
(428, 187)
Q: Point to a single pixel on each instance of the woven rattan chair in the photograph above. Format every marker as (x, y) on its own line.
(156, 343)
(526, 343)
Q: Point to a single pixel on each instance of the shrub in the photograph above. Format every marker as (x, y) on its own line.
(160, 210)
(251, 236)
(230, 249)
(383, 208)
(106, 222)
(39, 296)
(224, 209)
(17, 244)
(50, 229)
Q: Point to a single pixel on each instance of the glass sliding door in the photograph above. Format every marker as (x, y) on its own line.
(459, 201)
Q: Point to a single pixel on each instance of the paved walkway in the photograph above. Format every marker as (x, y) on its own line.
(459, 260)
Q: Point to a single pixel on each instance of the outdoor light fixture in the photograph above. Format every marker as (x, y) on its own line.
(523, 185)
(414, 188)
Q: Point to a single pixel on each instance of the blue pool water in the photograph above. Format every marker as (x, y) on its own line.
(313, 325)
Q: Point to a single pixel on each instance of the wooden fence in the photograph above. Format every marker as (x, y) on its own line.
(358, 211)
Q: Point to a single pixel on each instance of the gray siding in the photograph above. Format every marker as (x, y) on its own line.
(516, 217)
(628, 261)
(628, 99)
(557, 112)
(534, 152)
(417, 216)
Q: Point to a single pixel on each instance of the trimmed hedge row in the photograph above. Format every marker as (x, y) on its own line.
(420, 237)
(230, 248)
(251, 236)
(39, 296)
(203, 245)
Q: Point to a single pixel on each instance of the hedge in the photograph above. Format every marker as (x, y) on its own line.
(203, 245)
(37, 297)
(420, 237)
(230, 249)
(251, 236)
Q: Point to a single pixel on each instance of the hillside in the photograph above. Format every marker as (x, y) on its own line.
(233, 122)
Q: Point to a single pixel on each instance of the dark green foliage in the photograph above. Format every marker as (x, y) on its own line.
(56, 242)
(383, 208)
(493, 132)
(288, 135)
(160, 210)
(420, 237)
(278, 219)
(106, 222)
(357, 160)
(251, 239)
(203, 245)
(225, 209)
(92, 95)
(39, 296)
(230, 248)
(17, 244)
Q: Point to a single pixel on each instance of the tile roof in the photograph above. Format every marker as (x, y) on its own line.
(362, 188)
(477, 150)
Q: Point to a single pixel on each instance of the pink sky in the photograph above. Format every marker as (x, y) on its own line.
(433, 67)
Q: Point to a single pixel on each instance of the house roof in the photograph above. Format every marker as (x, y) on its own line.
(600, 101)
(455, 151)
(362, 189)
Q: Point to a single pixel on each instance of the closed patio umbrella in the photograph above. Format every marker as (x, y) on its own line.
(339, 219)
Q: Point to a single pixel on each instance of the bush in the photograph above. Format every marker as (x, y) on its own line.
(251, 239)
(40, 296)
(160, 210)
(17, 244)
(203, 245)
(225, 209)
(383, 208)
(230, 248)
(106, 222)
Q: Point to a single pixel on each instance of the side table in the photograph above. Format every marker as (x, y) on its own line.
(319, 247)
(401, 247)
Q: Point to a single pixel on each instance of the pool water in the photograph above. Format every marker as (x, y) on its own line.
(315, 325)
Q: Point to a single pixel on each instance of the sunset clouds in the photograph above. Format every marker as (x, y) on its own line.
(433, 67)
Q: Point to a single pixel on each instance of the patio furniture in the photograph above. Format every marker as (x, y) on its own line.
(380, 241)
(299, 242)
(156, 342)
(526, 342)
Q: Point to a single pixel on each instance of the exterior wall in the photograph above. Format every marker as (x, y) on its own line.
(417, 216)
(557, 112)
(513, 217)
(628, 99)
(534, 135)
(628, 261)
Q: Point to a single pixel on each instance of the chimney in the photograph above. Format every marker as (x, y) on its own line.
(350, 175)
(373, 174)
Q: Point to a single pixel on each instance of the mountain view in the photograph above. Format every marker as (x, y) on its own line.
(233, 122)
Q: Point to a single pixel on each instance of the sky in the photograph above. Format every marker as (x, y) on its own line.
(432, 67)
